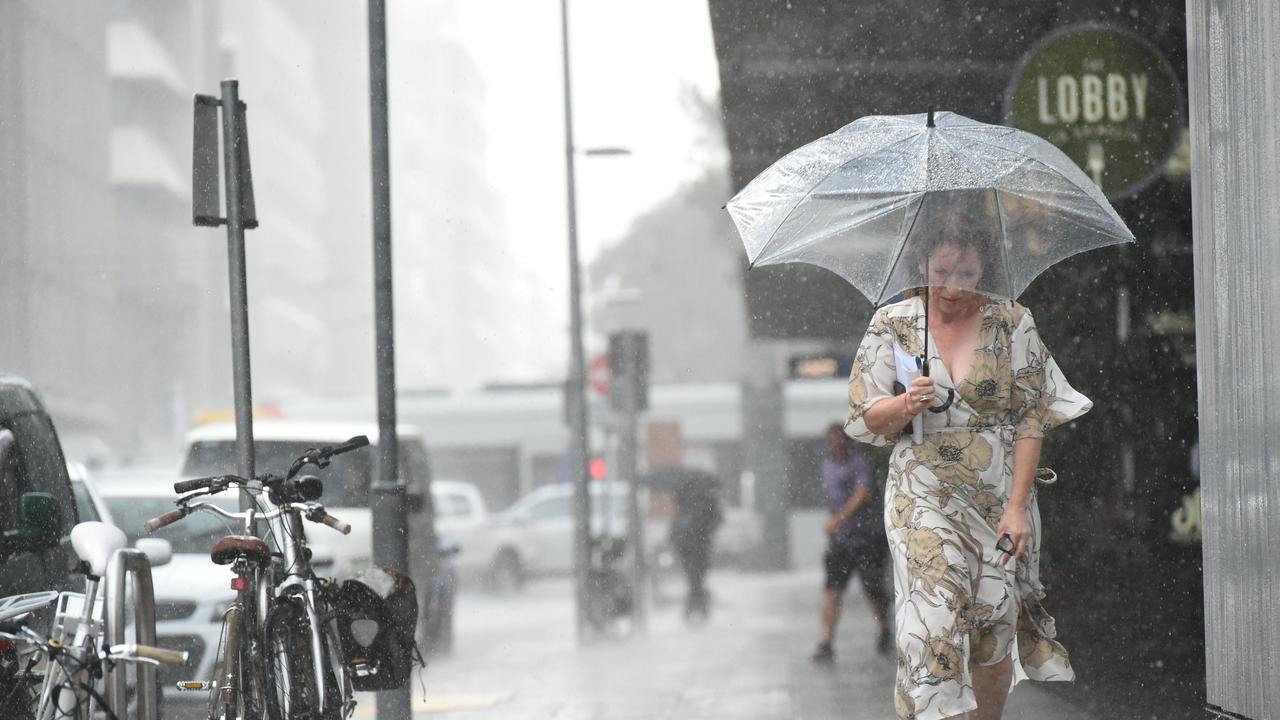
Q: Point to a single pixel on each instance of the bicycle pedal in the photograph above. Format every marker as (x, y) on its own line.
(195, 685)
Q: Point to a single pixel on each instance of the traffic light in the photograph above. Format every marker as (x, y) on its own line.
(629, 371)
(598, 469)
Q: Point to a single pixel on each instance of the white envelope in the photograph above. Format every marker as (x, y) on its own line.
(908, 369)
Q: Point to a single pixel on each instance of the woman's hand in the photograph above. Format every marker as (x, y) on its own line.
(1014, 523)
(920, 395)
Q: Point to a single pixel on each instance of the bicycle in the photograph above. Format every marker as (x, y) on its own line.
(610, 598)
(280, 654)
(53, 677)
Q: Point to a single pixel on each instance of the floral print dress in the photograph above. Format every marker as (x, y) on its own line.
(954, 601)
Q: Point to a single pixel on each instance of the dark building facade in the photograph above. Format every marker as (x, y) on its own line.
(1125, 578)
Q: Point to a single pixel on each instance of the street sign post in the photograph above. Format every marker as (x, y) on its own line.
(240, 215)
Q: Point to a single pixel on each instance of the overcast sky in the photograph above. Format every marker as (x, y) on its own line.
(631, 64)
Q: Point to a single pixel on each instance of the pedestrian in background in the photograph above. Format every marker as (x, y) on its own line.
(855, 541)
(696, 518)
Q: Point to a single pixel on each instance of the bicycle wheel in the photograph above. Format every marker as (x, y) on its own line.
(288, 670)
(19, 690)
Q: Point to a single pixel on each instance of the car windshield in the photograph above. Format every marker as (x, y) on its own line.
(346, 480)
(194, 534)
(84, 502)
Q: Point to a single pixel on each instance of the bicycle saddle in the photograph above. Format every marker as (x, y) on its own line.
(226, 550)
(95, 543)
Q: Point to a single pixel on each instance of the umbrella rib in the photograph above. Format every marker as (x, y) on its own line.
(1056, 171)
(783, 159)
(821, 237)
(1068, 215)
(1114, 240)
(809, 192)
(1072, 254)
(1004, 239)
(901, 246)
(907, 237)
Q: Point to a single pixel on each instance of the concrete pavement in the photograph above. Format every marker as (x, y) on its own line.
(517, 659)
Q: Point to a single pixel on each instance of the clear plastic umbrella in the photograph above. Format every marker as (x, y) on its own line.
(870, 201)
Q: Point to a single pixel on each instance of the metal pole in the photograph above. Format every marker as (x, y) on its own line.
(579, 422)
(239, 279)
(763, 410)
(134, 564)
(627, 468)
(386, 493)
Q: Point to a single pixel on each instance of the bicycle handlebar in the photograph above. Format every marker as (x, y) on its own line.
(320, 456)
(168, 518)
(312, 511)
(336, 524)
(315, 456)
(182, 487)
(18, 629)
(354, 443)
(148, 652)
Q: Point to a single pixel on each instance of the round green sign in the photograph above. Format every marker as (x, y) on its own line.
(1106, 97)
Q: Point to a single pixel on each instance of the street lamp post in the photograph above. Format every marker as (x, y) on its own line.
(575, 388)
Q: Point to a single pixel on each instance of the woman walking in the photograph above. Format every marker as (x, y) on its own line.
(969, 622)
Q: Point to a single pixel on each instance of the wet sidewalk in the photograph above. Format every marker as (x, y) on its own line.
(517, 659)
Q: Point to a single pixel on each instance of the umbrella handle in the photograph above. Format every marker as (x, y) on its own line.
(951, 397)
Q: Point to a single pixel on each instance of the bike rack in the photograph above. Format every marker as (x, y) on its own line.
(137, 567)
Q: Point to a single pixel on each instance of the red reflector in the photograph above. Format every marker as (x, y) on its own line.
(5, 645)
(239, 583)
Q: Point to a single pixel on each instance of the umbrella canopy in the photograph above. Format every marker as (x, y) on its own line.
(870, 201)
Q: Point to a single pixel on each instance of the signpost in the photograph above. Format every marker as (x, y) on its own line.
(1106, 97)
(240, 215)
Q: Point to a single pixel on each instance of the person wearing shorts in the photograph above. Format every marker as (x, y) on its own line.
(855, 541)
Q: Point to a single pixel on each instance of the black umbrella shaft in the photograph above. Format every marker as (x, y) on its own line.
(924, 368)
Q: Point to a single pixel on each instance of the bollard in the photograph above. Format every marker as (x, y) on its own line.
(135, 564)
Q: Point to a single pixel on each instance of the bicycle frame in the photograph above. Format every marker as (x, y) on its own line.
(291, 538)
(82, 630)
(254, 603)
(228, 697)
(75, 656)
